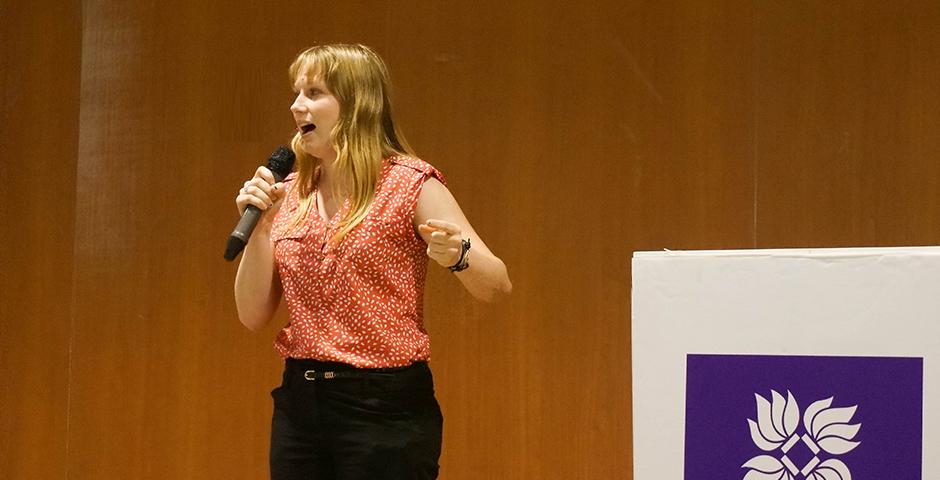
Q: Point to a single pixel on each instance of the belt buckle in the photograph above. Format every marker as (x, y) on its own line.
(311, 375)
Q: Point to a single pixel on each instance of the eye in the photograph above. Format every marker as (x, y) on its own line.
(313, 92)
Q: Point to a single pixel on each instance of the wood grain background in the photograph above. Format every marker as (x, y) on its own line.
(572, 134)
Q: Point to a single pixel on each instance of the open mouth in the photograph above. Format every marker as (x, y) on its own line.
(307, 128)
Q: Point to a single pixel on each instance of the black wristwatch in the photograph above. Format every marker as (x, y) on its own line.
(464, 262)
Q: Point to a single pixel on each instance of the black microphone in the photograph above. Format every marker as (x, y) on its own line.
(280, 164)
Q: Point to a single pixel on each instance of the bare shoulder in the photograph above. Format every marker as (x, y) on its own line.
(433, 188)
(436, 201)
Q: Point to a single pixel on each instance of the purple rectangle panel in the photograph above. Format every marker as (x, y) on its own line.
(770, 417)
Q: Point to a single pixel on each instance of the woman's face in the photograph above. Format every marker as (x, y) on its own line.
(316, 112)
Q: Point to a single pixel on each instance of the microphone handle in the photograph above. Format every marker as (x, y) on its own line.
(239, 237)
(247, 223)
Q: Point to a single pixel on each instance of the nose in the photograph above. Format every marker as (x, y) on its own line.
(297, 106)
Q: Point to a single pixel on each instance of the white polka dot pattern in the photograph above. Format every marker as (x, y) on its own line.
(359, 302)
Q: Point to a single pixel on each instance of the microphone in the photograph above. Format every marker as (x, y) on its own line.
(280, 164)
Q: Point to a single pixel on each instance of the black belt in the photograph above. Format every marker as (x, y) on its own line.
(315, 375)
(315, 370)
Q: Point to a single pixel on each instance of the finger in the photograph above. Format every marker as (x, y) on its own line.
(265, 187)
(261, 183)
(448, 256)
(441, 236)
(443, 252)
(277, 191)
(245, 200)
(445, 226)
(426, 232)
(425, 229)
(449, 242)
(259, 194)
(263, 173)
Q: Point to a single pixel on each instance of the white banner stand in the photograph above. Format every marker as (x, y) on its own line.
(786, 364)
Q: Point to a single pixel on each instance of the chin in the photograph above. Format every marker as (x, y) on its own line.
(309, 150)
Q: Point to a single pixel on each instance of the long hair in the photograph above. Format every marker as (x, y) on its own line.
(364, 135)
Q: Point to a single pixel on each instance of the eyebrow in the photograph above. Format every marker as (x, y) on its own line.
(309, 84)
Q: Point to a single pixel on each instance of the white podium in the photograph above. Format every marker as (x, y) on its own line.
(786, 364)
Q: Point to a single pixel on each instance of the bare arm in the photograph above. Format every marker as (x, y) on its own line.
(442, 224)
(257, 284)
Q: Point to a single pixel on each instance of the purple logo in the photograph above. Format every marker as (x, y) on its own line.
(759, 417)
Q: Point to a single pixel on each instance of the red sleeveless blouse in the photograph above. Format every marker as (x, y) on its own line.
(359, 302)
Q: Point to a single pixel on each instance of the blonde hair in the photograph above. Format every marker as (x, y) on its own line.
(364, 135)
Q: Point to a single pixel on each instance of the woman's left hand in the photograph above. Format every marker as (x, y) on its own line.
(444, 241)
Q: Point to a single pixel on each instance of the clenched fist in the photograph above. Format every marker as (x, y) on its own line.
(261, 191)
(444, 241)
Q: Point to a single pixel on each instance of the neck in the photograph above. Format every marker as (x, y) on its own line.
(327, 172)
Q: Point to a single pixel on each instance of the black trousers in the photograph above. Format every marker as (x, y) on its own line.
(368, 424)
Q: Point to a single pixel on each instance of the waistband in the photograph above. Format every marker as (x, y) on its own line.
(316, 369)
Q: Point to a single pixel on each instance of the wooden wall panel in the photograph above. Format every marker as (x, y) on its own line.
(847, 124)
(167, 383)
(39, 77)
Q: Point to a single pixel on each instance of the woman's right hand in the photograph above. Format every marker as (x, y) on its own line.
(263, 192)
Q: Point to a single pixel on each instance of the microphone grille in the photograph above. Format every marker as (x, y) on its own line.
(281, 162)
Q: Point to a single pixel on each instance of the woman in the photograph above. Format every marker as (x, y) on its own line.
(345, 241)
